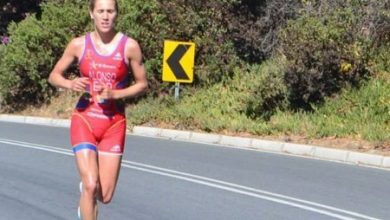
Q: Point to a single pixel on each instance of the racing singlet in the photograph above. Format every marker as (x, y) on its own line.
(110, 70)
(98, 124)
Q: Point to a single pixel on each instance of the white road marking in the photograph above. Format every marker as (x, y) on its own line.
(231, 187)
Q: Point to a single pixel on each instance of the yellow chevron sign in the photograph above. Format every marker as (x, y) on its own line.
(178, 61)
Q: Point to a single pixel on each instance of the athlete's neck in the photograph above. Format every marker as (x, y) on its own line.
(104, 38)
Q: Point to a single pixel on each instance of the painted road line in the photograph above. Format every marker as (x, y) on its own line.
(241, 187)
(231, 187)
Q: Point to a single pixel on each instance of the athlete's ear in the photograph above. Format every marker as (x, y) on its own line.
(91, 15)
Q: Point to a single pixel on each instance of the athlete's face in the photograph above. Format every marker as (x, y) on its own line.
(104, 14)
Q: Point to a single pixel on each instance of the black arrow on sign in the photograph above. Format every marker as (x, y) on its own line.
(174, 62)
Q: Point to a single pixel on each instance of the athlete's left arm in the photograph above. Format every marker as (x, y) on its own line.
(133, 54)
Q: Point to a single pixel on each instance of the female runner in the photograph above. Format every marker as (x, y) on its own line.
(98, 123)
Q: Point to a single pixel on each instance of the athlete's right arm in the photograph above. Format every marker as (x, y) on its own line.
(56, 77)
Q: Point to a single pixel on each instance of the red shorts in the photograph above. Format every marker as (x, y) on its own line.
(106, 135)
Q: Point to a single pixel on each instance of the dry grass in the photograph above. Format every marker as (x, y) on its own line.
(59, 107)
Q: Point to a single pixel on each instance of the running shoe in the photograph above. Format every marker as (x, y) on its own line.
(78, 209)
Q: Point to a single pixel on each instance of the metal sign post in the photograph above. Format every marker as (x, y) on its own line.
(177, 90)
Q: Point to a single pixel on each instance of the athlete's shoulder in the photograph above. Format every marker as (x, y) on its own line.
(76, 46)
(77, 42)
(131, 42)
(132, 46)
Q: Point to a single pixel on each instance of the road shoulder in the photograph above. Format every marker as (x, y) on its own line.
(310, 151)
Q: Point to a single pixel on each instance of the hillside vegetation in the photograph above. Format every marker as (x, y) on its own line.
(313, 69)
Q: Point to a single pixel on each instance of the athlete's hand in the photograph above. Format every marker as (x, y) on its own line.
(104, 92)
(79, 84)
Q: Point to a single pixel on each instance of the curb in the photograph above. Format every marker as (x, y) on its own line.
(35, 120)
(316, 152)
(310, 151)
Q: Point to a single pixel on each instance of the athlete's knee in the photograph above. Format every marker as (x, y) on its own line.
(90, 187)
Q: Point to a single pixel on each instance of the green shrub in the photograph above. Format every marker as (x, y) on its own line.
(150, 22)
(379, 32)
(237, 105)
(35, 47)
(227, 33)
(202, 22)
(325, 53)
(325, 49)
(269, 92)
(2, 55)
(254, 25)
(381, 59)
(212, 109)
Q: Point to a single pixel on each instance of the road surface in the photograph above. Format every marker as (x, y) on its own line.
(164, 179)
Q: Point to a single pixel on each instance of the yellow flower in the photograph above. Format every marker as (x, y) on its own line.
(345, 67)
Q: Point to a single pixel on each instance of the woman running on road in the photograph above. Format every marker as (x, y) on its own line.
(98, 123)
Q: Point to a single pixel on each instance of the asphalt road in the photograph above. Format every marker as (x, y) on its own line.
(163, 179)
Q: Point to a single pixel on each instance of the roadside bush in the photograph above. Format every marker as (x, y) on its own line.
(227, 33)
(238, 105)
(35, 46)
(325, 48)
(2, 55)
(202, 22)
(381, 59)
(150, 22)
(378, 30)
(216, 108)
(269, 93)
(253, 26)
(326, 51)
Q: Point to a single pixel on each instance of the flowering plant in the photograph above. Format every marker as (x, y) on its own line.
(5, 40)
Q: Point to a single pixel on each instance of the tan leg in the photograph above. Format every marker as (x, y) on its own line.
(109, 167)
(87, 163)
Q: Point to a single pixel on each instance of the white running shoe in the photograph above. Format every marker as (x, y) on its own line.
(78, 210)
